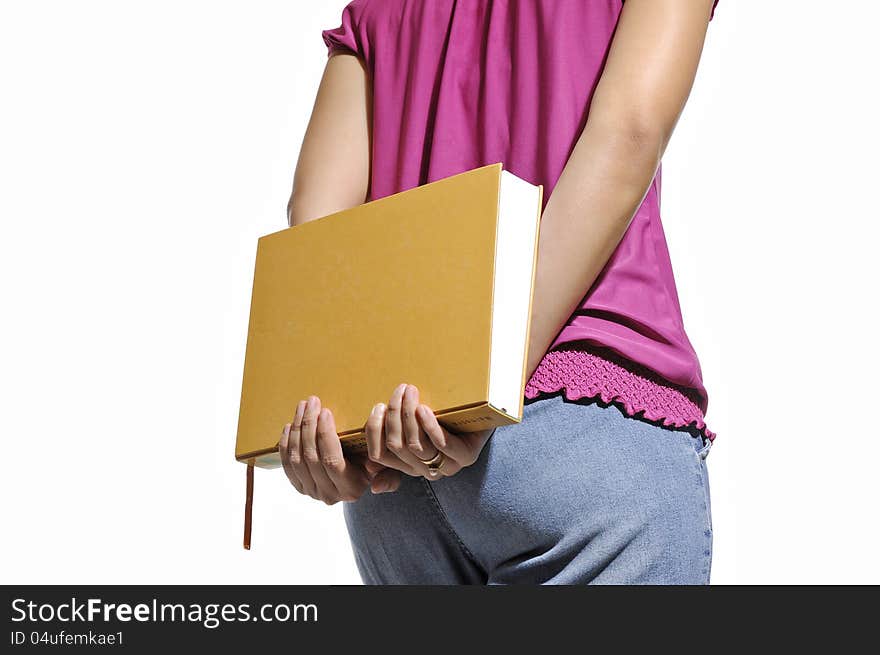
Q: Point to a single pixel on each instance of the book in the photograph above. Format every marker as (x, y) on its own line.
(432, 286)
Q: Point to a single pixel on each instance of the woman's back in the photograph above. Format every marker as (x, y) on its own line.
(457, 85)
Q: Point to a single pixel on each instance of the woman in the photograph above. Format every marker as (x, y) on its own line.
(605, 480)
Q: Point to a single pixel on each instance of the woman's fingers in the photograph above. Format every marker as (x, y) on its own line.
(295, 461)
(400, 438)
(314, 462)
(454, 448)
(395, 446)
(395, 439)
(377, 452)
(384, 434)
(412, 431)
(284, 453)
(371, 467)
(393, 424)
(326, 490)
(375, 433)
(282, 448)
(385, 481)
(350, 480)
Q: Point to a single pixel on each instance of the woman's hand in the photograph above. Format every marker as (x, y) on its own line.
(312, 457)
(406, 434)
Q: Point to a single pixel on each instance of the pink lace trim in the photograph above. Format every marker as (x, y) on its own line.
(585, 375)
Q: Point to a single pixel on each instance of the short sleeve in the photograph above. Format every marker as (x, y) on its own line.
(712, 14)
(347, 37)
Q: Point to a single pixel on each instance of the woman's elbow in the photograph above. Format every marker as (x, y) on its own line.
(638, 139)
(306, 205)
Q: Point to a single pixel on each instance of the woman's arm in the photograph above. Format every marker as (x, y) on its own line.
(645, 84)
(333, 170)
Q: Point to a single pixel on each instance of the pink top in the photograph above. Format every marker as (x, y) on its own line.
(458, 85)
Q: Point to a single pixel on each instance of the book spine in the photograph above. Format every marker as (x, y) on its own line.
(474, 419)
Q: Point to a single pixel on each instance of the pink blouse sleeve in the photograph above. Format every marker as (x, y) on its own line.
(348, 36)
(714, 5)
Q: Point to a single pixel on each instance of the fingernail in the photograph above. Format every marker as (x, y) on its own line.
(380, 488)
(402, 388)
(377, 409)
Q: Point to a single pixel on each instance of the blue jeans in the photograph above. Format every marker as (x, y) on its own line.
(576, 493)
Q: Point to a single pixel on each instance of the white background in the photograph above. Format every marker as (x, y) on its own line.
(144, 146)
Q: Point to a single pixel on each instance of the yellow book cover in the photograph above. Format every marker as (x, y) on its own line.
(432, 286)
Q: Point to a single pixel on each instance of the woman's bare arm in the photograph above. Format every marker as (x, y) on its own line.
(333, 170)
(645, 84)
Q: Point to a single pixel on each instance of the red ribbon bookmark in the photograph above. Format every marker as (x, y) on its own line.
(248, 506)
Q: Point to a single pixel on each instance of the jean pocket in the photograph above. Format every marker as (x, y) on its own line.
(703, 447)
(698, 443)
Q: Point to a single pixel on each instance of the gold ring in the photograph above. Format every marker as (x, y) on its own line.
(434, 468)
(435, 462)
